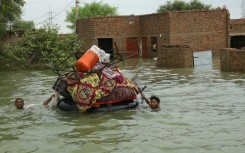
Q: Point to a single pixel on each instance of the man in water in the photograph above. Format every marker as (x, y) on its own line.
(19, 102)
(154, 102)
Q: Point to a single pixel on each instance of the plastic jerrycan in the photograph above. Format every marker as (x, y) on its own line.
(88, 60)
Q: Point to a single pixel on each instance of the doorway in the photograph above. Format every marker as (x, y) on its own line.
(237, 42)
(106, 44)
(132, 45)
(154, 44)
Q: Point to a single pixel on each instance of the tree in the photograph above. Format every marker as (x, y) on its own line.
(10, 10)
(45, 47)
(23, 25)
(93, 9)
(196, 4)
(179, 5)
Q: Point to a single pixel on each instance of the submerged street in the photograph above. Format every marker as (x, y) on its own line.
(203, 110)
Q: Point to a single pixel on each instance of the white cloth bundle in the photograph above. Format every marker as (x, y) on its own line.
(103, 57)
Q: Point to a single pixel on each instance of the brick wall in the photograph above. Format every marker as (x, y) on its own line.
(86, 33)
(237, 26)
(175, 56)
(155, 25)
(232, 59)
(201, 30)
(118, 28)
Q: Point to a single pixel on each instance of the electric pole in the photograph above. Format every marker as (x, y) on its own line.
(76, 17)
(243, 9)
(50, 16)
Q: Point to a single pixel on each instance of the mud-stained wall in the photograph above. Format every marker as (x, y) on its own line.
(232, 59)
(175, 56)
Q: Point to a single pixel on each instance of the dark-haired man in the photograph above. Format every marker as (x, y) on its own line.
(154, 102)
(19, 102)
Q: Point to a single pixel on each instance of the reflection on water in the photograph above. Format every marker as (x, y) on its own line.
(203, 110)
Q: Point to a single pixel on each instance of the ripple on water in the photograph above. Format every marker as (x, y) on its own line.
(202, 111)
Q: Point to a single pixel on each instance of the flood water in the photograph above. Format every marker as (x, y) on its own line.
(203, 110)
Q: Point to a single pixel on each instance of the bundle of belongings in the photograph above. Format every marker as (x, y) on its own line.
(95, 82)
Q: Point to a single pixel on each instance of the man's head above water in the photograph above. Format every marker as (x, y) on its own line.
(19, 103)
(154, 102)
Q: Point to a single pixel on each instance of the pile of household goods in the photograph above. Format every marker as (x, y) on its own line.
(96, 85)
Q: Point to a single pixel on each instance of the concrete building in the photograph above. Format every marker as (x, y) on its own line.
(200, 30)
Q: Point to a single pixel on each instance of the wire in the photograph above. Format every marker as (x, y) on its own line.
(57, 8)
(58, 12)
(64, 9)
(40, 18)
(34, 3)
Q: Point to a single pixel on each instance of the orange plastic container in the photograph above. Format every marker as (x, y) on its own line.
(87, 61)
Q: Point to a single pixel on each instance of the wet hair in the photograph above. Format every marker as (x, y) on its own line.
(155, 97)
(17, 100)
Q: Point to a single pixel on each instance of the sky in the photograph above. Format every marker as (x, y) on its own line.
(40, 11)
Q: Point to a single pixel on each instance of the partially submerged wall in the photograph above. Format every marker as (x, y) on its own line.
(232, 59)
(175, 56)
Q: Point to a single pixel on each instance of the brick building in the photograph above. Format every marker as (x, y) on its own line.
(200, 30)
(232, 59)
(237, 33)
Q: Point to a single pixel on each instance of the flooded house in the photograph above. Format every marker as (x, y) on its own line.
(198, 29)
(172, 37)
(233, 58)
(237, 33)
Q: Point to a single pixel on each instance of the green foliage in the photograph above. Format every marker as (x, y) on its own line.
(94, 9)
(196, 4)
(3, 31)
(179, 5)
(43, 46)
(10, 10)
(23, 25)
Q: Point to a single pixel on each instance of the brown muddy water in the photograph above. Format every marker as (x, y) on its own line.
(203, 110)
